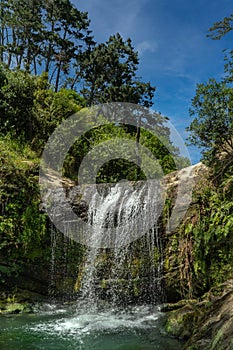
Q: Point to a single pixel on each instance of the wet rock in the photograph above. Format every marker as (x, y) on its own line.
(206, 325)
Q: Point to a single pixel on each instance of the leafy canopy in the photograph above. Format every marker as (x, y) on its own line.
(212, 109)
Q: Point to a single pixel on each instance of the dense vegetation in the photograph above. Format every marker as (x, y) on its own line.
(51, 67)
(209, 234)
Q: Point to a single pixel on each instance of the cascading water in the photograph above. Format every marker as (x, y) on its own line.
(123, 229)
(123, 257)
(53, 238)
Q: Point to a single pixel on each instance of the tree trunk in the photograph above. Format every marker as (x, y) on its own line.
(60, 64)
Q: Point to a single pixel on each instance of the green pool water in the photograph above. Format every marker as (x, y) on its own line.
(77, 328)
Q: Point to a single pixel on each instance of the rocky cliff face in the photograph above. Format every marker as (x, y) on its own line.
(203, 320)
(62, 276)
(177, 243)
(179, 207)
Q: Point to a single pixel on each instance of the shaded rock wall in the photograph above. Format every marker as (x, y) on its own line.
(205, 324)
(179, 209)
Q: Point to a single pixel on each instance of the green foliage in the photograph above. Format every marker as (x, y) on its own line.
(109, 74)
(161, 150)
(9, 271)
(22, 225)
(39, 35)
(25, 241)
(121, 168)
(210, 241)
(16, 101)
(51, 108)
(30, 109)
(53, 36)
(216, 32)
(221, 28)
(212, 126)
(212, 107)
(33, 229)
(213, 238)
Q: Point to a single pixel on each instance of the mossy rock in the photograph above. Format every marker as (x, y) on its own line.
(214, 329)
(181, 320)
(206, 325)
(15, 308)
(176, 306)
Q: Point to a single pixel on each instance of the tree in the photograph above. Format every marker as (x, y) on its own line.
(31, 109)
(220, 29)
(66, 36)
(212, 108)
(21, 33)
(4, 15)
(41, 35)
(17, 101)
(108, 72)
(50, 108)
(53, 36)
(212, 127)
(124, 167)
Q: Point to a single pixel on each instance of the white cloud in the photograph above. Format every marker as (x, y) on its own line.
(146, 46)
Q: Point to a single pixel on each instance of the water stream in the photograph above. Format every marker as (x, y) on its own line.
(75, 328)
(115, 322)
(123, 232)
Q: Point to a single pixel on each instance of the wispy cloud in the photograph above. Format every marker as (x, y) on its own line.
(146, 46)
(110, 17)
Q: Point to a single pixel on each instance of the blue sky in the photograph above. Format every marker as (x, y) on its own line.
(170, 36)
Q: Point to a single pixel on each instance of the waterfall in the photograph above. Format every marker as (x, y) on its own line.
(124, 253)
(60, 285)
(53, 238)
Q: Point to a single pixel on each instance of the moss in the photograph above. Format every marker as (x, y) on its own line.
(180, 326)
(181, 320)
(15, 308)
(217, 340)
(177, 306)
(104, 284)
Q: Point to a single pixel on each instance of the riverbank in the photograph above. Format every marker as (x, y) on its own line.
(205, 324)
